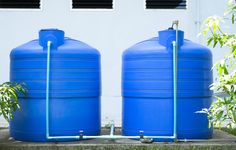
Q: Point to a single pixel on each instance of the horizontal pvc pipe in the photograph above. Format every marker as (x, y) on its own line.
(62, 137)
(129, 137)
(110, 137)
(137, 137)
(206, 140)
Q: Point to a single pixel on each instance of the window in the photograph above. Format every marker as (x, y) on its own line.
(20, 4)
(92, 4)
(166, 4)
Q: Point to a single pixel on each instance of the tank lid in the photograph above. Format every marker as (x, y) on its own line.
(54, 35)
(166, 37)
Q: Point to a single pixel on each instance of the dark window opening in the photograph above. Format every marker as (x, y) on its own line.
(92, 4)
(20, 4)
(166, 4)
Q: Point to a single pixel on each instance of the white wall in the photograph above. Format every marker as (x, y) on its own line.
(110, 31)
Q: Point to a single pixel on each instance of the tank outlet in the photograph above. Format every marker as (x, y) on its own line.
(166, 37)
(54, 35)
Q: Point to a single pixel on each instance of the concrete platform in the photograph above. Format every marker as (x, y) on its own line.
(220, 141)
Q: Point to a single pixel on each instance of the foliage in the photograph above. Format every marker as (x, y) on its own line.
(224, 108)
(230, 130)
(9, 95)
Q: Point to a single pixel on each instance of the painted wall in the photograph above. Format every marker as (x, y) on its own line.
(110, 31)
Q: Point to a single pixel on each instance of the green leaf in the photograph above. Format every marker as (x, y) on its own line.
(219, 115)
(233, 19)
(215, 42)
(209, 40)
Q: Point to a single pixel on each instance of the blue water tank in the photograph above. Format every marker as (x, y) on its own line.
(74, 87)
(147, 87)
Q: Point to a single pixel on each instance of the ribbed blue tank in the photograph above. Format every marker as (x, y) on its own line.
(147, 87)
(74, 87)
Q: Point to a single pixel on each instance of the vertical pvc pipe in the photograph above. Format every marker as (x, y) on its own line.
(175, 88)
(175, 77)
(112, 128)
(49, 43)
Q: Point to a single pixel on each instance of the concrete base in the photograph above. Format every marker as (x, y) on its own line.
(220, 141)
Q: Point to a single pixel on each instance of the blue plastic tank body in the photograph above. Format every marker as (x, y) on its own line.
(147, 88)
(74, 88)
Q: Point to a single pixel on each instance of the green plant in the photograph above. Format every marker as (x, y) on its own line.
(9, 95)
(229, 130)
(224, 108)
